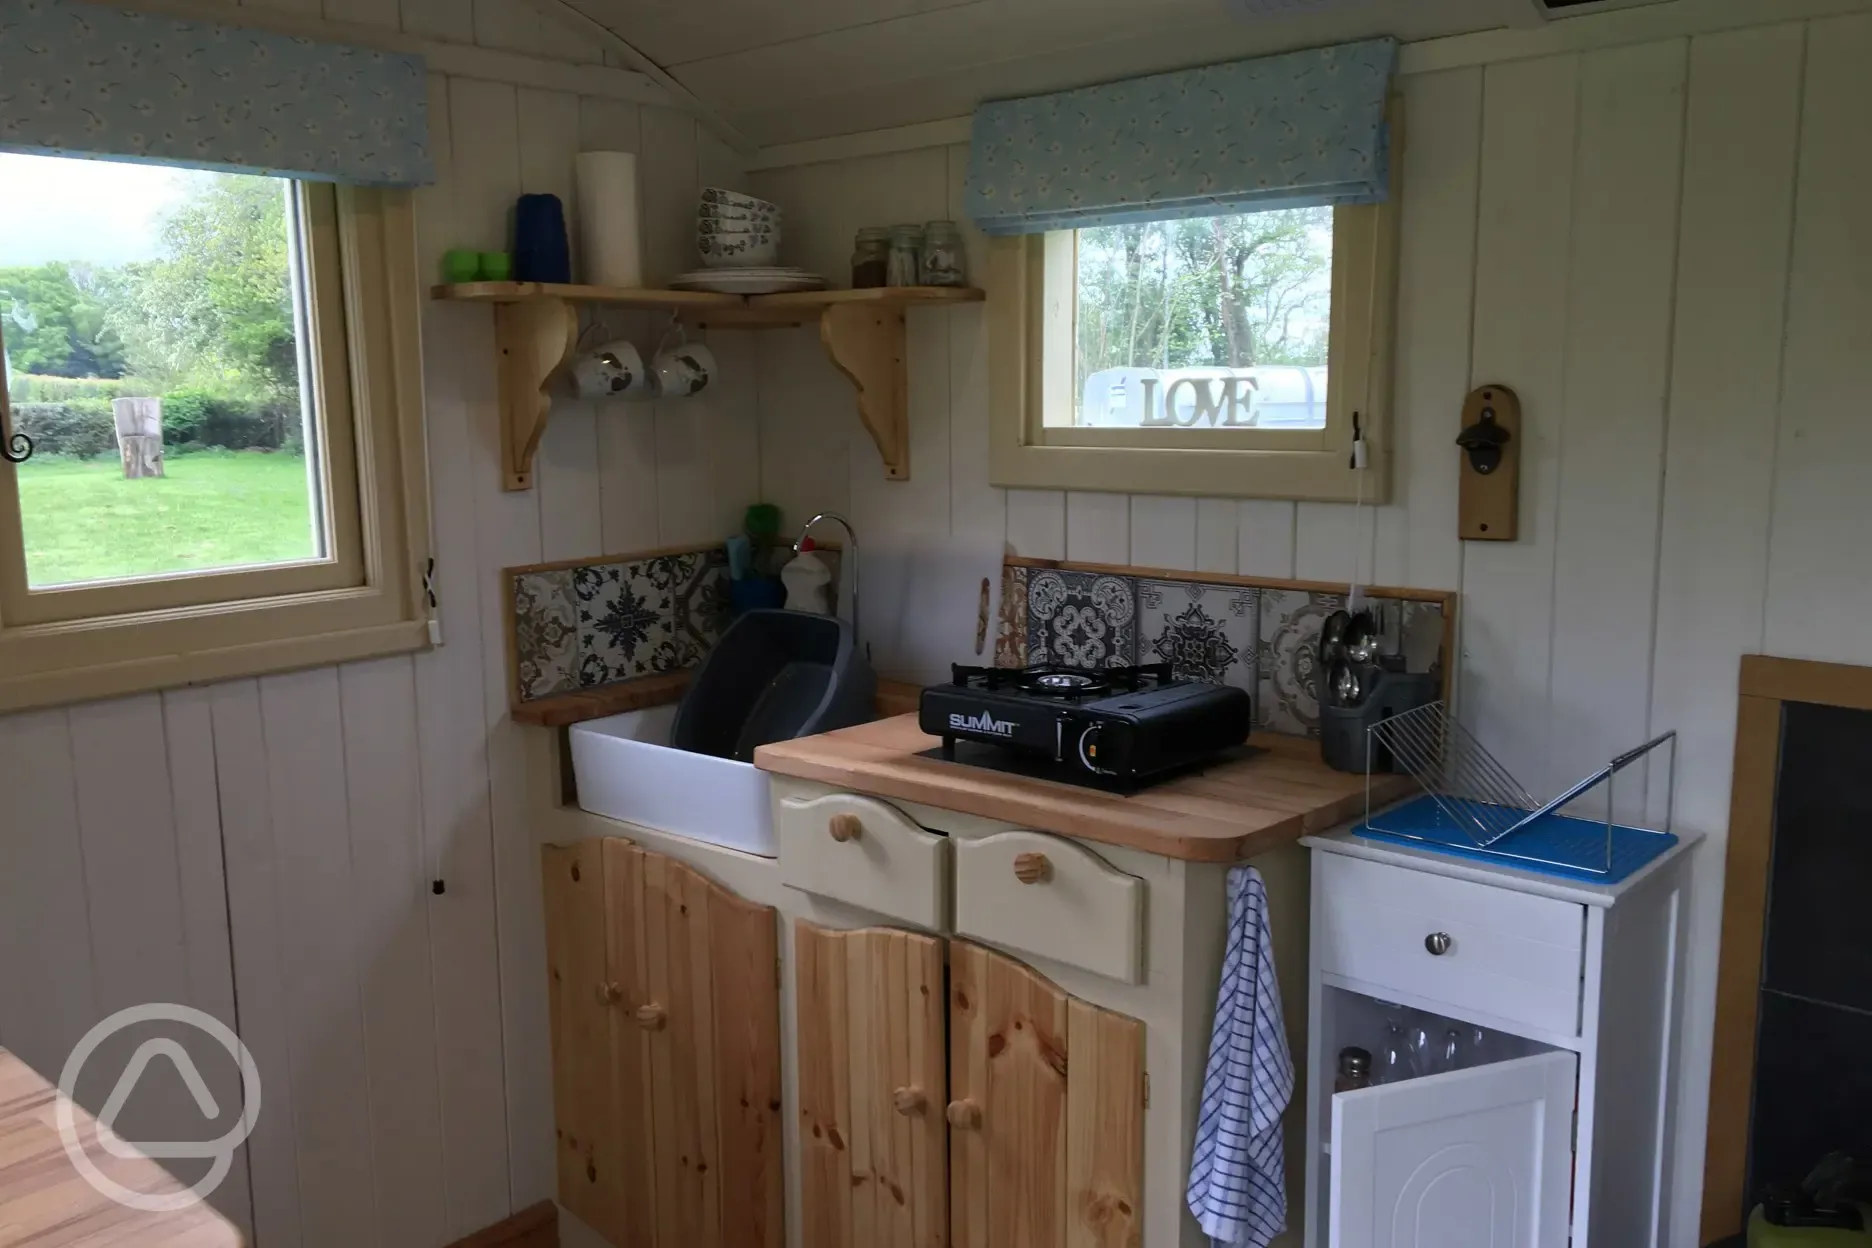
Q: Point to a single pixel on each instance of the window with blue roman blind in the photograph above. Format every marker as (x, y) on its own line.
(1304, 129)
(79, 79)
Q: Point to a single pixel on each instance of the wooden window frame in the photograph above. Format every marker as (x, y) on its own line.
(1766, 686)
(1032, 309)
(367, 597)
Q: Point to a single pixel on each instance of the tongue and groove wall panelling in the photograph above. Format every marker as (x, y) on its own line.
(484, 119)
(316, 916)
(452, 759)
(1619, 306)
(975, 506)
(390, 884)
(255, 886)
(1529, 120)
(134, 829)
(1742, 133)
(816, 455)
(1416, 541)
(188, 740)
(1822, 508)
(568, 492)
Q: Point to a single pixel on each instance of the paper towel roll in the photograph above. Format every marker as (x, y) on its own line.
(608, 218)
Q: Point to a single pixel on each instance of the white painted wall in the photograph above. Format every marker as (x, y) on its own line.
(263, 849)
(1662, 247)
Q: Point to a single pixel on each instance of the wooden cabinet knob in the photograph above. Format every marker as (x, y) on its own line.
(609, 994)
(845, 828)
(910, 1101)
(965, 1115)
(1032, 868)
(652, 1017)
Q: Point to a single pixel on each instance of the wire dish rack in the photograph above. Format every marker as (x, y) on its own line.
(1473, 806)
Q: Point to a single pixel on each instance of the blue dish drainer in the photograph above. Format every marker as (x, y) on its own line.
(1473, 807)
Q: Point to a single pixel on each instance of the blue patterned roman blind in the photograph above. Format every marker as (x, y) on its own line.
(79, 79)
(1292, 131)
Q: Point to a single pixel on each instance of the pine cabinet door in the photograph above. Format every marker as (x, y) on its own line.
(1046, 1112)
(874, 1166)
(1477, 1158)
(665, 1010)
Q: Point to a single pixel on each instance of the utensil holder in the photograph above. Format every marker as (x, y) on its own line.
(1345, 736)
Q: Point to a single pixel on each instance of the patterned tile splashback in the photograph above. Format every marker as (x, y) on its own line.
(1260, 638)
(581, 627)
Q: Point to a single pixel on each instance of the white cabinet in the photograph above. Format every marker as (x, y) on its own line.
(1476, 1158)
(1547, 1120)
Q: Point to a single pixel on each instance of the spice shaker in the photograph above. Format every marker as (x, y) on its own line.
(1354, 1070)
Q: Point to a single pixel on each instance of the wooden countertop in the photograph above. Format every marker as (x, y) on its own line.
(1234, 810)
(44, 1199)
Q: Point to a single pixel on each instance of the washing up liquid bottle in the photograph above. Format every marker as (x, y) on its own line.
(808, 581)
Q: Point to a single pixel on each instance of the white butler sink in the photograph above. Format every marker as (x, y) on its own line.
(626, 770)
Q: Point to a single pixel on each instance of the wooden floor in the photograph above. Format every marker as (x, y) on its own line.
(44, 1200)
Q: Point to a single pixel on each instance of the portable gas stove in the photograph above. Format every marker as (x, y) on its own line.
(1113, 727)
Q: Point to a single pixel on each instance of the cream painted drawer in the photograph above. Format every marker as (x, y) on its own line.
(1049, 896)
(867, 853)
(1509, 954)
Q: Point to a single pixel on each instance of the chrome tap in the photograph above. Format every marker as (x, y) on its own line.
(851, 541)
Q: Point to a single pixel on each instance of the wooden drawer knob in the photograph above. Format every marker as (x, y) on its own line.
(846, 828)
(609, 994)
(1032, 868)
(910, 1101)
(965, 1115)
(652, 1017)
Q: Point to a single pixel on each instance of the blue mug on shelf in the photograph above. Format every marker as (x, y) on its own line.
(542, 249)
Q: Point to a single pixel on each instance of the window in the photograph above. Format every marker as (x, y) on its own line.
(217, 373)
(1202, 324)
(1228, 355)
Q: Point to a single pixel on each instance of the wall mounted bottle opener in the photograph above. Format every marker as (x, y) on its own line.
(1488, 509)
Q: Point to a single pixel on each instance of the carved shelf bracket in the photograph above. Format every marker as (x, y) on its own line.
(867, 344)
(536, 341)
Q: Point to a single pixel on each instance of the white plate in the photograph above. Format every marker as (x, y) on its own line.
(754, 281)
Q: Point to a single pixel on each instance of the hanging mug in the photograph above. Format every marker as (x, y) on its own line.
(684, 370)
(613, 371)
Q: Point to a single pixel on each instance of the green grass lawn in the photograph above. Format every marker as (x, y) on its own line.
(215, 509)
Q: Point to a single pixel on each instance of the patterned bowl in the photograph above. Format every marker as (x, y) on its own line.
(737, 251)
(754, 229)
(721, 198)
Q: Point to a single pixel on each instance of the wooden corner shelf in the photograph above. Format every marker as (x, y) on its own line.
(536, 329)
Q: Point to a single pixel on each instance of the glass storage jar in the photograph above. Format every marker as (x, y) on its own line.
(906, 255)
(943, 263)
(871, 258)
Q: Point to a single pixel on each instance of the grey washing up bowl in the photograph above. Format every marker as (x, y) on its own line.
(775, 675)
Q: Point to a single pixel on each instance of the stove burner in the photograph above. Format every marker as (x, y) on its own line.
(1047, 682)
(1064, 681)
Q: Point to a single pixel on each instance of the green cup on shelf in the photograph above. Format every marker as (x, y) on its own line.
(496, 266)
(460, 265)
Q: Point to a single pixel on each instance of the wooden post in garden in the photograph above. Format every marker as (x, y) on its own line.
(139, 436)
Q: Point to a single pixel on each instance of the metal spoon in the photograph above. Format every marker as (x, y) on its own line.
(1346, 686)
(1361, 638)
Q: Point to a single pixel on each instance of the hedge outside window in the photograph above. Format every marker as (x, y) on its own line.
(228, 467)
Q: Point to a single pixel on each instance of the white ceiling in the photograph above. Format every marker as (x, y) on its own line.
(786, 70)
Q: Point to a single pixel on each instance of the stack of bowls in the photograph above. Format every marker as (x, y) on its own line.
(736, 231)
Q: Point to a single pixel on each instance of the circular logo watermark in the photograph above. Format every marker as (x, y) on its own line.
(220, 1152)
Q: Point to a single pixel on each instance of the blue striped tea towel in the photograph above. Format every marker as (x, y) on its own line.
(1238, 1182)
